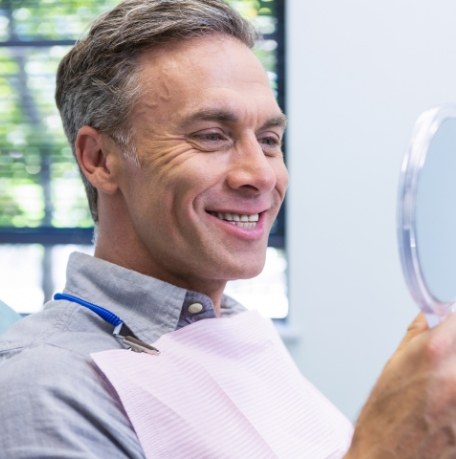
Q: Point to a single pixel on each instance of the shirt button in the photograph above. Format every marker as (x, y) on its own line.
(195, 308)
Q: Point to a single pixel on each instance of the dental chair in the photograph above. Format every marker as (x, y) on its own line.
(7, 317)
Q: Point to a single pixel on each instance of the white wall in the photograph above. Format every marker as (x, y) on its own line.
(359, 73)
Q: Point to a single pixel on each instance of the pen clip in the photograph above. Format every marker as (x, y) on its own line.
(136, 345)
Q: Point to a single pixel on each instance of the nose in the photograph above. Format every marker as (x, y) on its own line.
(250, 169)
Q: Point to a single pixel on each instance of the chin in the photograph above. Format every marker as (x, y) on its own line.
(233, 268)
(249, 273)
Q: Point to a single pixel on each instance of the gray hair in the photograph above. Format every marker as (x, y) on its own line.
(97, 81)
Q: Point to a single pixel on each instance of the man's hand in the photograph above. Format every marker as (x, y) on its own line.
(411, 412)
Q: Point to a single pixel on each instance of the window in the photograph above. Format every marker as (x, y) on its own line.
(43, 210)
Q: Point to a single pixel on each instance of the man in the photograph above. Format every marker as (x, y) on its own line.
(178, 138)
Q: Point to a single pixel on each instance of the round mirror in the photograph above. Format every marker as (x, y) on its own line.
(427, 213)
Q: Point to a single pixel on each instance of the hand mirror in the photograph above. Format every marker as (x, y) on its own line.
(427, 213)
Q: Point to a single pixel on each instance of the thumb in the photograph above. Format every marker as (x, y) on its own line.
(416, 328)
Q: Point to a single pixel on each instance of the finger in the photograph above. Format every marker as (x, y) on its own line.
(416, 328)
(436, 343)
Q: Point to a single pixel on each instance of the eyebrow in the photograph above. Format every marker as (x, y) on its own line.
(226, 116)
(276, 121)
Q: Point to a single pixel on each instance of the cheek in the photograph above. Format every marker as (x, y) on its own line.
(196, 174)
(183, 190)
(282, 178)
(172, 177)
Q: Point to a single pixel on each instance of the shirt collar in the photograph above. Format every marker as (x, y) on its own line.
(148, 306)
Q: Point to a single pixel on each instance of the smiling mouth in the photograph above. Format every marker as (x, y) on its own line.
(241, 220)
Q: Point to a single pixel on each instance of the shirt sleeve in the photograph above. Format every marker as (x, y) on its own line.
(55, 403)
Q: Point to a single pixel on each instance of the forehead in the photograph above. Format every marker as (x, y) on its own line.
(213, 53)
(214, 69)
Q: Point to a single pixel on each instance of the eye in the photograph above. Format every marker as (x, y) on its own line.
(271, 143)
(210, 139)
(209, 136)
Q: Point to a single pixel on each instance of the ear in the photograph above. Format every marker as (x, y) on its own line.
(97, 159)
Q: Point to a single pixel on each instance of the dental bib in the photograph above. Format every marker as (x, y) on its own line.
(224, 388)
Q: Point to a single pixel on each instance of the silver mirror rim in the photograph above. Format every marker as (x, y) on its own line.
(424, 130)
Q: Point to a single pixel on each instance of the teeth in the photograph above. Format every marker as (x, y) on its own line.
(242, 218)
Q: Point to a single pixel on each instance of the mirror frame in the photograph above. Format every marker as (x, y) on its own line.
(425, 128)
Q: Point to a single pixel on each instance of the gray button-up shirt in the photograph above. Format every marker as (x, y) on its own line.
(54, 403)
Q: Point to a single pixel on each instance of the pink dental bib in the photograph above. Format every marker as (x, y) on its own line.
(224, 388)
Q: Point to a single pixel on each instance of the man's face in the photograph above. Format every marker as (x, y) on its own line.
(211, 179)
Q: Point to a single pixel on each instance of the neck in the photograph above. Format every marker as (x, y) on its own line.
(119, 251)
